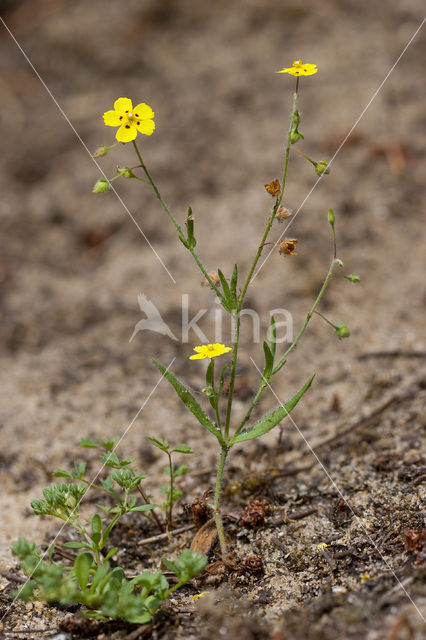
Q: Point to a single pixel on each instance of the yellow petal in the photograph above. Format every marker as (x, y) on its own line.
(143, 111)
(112, 118)
(126, 133)
(122, 105)
(198, 356)
(145, 126)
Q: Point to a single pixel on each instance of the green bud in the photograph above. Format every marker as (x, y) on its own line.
(70, 502)
(353, 278)
(126, 172)
(100, 151)
(101, 185)
(296, 119)
(296, 136)
(331, 217)
(321, 168)
(342, 331)
(208, 391)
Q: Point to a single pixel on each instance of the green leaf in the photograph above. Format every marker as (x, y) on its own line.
(110, 553)
(273, 418)
(87, 443)
(222, 380)
(181, 470)
(160, 443)
(209, 374)
(96, 528)
(226, 291)
(76, 544)
(82, 565)
(273, 337)
(234, 280)
(189, 400)
(61, 473)
(182, 448)
(144, 507)
(269, 362)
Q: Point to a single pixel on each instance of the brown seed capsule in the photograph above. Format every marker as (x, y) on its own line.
(273, 188)
(283, 213)
(288, 247)
(252, 564)
(253, 516)
(214, 278)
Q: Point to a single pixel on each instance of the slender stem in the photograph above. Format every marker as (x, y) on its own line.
(175, 223)
(308, 317)
(252, 406)
(236, 328)
(216, 397)
(154, 515)
(170, 510)
(217, 515)
(325, 319)
(275, 209)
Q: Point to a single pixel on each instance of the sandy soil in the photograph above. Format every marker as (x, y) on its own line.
(72, 265)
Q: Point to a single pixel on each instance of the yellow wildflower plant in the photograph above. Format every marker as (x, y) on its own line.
(209, 351)
(130, 119)
(300, 68)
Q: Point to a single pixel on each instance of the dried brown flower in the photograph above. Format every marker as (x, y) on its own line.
(214, 278)
(200, 510)
(273, 188)
(283, 213)
(253, 516)
(288, 247)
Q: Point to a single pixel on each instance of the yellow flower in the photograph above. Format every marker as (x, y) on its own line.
(129, 119)
(300, 68)
(323, 545)
(209, 351)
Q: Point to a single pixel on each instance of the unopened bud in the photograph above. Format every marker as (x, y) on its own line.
(126, 172)
(100, 151)
(353, 278)
(321, 168)
(101, 185)
(296, 136)
(342, 331)
(331, 217)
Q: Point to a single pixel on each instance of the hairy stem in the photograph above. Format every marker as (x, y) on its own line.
(216, 506)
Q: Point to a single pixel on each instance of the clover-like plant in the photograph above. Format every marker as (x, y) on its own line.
(231, 292)
(104, 593)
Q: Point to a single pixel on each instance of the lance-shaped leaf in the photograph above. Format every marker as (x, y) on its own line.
(189, 401)
(272, 418)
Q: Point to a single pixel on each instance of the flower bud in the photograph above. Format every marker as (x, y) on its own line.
(331, 217)
(342, 331)
(101, 185)
(100, 151)
(126, 172)
(295, 136)
(353, 278)
(321, 168)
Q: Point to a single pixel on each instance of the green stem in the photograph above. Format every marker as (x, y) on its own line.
(154, 515)
(216, 506)
(216, 397)
(325, 319)
(175, 223)
(275, 209)
(170, 509)
(308, 317)
(236, 328)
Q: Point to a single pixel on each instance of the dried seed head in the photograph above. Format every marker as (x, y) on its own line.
(288, 247)
(253, 516)
(214, 278)
(273, 188)
(283, 213)
(252, 564)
